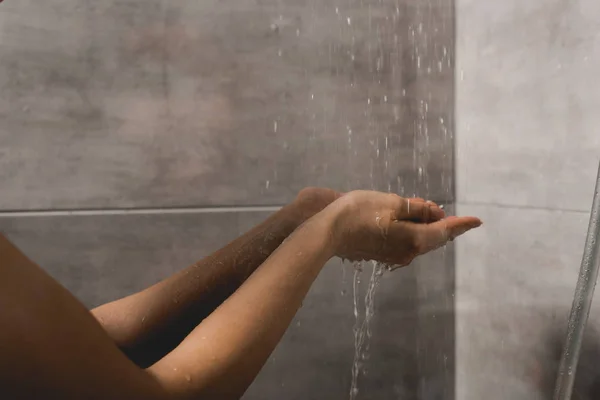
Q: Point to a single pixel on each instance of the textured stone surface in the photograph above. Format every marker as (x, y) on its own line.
(129, 103)
(515, 283)
(527, 153)
(527, 120)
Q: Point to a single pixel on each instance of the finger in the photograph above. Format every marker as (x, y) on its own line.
(422, 200)
(443, 215)
(437, 234)
(424, 212)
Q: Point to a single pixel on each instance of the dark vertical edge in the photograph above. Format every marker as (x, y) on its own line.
(452, 257)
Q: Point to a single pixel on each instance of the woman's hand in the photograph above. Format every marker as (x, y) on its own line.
(388, 228)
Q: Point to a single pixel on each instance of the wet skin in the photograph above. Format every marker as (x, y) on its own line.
(213, 341)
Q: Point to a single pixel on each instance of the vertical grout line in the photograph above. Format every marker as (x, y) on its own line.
(453, 88)
(454, 190)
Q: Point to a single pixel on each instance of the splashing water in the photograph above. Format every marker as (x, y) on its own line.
(362, 329)
(343, 267)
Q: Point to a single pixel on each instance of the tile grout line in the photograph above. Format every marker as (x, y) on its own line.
(146, 210)
(217, 210)
(520, 207)
(137, 211)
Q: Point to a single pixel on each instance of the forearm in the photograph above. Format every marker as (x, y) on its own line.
(150, 323)
(221, 357)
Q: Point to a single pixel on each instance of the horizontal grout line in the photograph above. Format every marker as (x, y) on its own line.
(136, 211)
(149, 210)
(520, 207)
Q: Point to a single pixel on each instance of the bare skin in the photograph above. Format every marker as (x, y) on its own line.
(149, 324)
(51, 347)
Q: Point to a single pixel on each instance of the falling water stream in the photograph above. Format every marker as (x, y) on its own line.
(362, 324)
(378, 104)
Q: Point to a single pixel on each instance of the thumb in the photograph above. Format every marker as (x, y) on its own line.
(437, 234)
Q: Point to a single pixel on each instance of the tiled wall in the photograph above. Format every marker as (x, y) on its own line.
(528, 148)
(190, 106)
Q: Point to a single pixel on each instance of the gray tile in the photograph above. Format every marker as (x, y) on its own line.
(130, 103)
(102, 258)
(527, 102)
(411, 352)
(515, 283)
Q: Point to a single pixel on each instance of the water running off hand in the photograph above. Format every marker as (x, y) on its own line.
(362, 328)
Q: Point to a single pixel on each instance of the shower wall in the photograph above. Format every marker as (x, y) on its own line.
(126, 127)
(528, 148)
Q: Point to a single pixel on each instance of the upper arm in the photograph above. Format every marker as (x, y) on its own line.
(51, 346)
